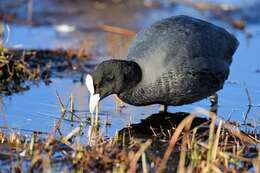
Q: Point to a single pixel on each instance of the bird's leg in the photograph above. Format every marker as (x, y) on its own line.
(163, 108)
(214, 102)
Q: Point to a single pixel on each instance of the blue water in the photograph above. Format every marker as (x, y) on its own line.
(38, 109)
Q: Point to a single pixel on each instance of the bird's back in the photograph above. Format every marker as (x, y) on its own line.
(177, 55)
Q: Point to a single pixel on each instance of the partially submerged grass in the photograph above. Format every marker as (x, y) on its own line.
(14, 72)
(195, 148)
(20, 67)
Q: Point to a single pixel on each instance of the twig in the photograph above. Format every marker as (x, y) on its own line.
(63, 111)
(249, 98)
(181, 165)
(72, 133)
(58, 123)
(236, 132)
(216, 142)
(116, 30)
(185, 124)
(133, 163)
(249, 105)
(211, 139)
(224, 154)
(71, 107)
(231, 128)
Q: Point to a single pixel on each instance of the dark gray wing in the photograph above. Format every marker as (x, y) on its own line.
(177, 87)
(177, 41)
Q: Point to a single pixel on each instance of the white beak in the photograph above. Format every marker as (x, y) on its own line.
(94, 98)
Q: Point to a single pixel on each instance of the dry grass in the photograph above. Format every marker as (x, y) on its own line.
(14, 72)
(212, 150)
(19, 68)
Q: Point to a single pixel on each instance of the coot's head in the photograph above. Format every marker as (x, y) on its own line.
(112, 77)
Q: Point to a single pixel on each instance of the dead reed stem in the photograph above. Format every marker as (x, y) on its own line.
(116, 30)
(185, 124)
(133, 163)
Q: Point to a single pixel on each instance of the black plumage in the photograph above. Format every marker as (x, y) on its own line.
(175, 61)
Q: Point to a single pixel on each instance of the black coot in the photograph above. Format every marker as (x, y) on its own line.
(175, 61)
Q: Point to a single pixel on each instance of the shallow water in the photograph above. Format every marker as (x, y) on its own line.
(38, 108)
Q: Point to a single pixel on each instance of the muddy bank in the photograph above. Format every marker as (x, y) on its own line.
(20, 68)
